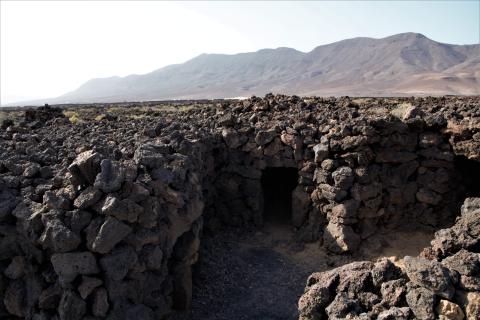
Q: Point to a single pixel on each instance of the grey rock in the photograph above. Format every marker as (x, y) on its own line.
(71, 306)
(342, 306)
(88, 285)
(50, 297)
(85, 167)
(265, 136)
(430, 275)
(69, 265)
(321, 152)
(111, 176)
(340, 238)
(16, 268)
(126, 210)
(428, 196)
(118, 262)
(57, 237)
(77, 220)
(343, 178)
(14, 298)
(300, 206)
(87, 198)
(100, 303)
(422, 302)
(110, 233)
(55, 202)
(395, 313)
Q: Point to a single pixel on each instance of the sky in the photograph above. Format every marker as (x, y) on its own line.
(49, 48)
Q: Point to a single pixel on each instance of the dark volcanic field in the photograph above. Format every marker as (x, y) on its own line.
(278, 207)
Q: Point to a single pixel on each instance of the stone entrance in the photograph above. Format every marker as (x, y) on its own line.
(277, 186)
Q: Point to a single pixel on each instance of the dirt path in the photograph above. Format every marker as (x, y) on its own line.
(261, 274)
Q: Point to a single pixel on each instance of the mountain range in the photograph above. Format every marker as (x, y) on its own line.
(400, 65)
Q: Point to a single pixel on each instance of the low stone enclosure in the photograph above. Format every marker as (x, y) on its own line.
(104, 218)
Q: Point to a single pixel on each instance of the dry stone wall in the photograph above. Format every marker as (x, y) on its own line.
(103, 219)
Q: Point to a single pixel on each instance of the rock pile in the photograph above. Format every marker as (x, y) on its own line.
(104, 218)
(443, 284)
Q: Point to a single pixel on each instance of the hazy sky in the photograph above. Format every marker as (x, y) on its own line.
(50, 48)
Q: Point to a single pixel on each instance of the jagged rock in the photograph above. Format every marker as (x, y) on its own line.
(343, 178)
(342, 306)
(111, 176)
(16, 268)
(317, 297)
(126, 210)
(430, 275)
(110, 233)
(384, 270)
(321, 151)
(31, 170)
(55, 202)
(100, 303)
(87, 198)
(77, 220)
(85, 167)
(422, 302)
(395, 313)
(472, 305)
(300, 206)
(57, 237)
(69, 265)
(448, 310)
(344, 213)
(393, 292)
(233, 139)
(71, 306)
(88, 285)
(428, 196)
(264, 137)
(50, 297)
(14, 298)
(117, 263)
(340, 238)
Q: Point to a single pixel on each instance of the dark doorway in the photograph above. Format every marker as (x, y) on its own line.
(277, 187)
(470, 175)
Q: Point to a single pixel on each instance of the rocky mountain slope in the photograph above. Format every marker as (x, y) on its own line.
(403, 64)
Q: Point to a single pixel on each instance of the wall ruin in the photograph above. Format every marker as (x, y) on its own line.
(105, 219)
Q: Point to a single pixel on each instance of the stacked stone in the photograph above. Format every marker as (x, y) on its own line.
(443, 284)
(103, 218)
(110, 238)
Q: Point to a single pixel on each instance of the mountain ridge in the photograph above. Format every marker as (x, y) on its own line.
(401, 64)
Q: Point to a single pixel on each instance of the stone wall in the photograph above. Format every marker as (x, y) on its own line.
(105, 219)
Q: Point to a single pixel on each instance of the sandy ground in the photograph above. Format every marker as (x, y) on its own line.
(260, 274)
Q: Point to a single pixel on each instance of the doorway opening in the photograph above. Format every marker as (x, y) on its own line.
(277, 186)
(470, 175)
